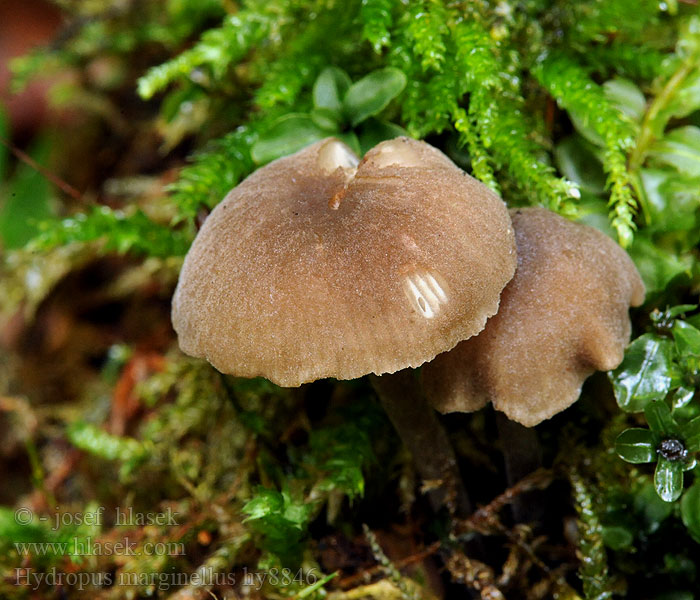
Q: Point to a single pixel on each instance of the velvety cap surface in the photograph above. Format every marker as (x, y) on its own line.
(319, 266)
(563, 316)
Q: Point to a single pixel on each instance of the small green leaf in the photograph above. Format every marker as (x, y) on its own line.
(636, 446)
(287, 135)
(295, 513)
(281, 520)
(690, 510)
(671, 200)
(265, 502)
(326, 119)
(690, 432)
(173, 102)
(686, 100)
(681, 397)
(688, 45)
(593, 211)
(617, 537)
(643, 375)
(577, 162)
(680, 309)
(687, 338)
(694, 320)
(627, 97)
(668, 480)
(653, 510)
(658, 415)
(686, 97)
(582, 124)
(371, 94)
(657, 265)
(330, 89)
(680, 149)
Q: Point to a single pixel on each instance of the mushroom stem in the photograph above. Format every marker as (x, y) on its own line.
(421, 431)
(522, 454)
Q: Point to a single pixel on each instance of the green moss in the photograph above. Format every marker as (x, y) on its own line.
(590, 108)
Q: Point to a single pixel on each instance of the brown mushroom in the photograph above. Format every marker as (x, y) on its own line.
(562, 317)
(316, 267)
(319, 265)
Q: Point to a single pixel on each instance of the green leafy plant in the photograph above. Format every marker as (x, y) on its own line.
(634, 516)
(281, 520)
(658, 376)
(128, 451)
(669, 445)
(337, 104)
(590, 108)
(118, 231)
(301, 97)
(328, 470)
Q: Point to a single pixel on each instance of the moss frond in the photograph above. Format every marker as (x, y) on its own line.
(465, 124)
(426, 31)
(503, 128)
(119, 231)
(377, 19)
(573, 89)
(593, 569)
(599, 20)
(217, 50)
(213, 173)
(626, 60)
(296, 55)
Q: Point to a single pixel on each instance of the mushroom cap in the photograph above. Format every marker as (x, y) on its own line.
(563, 316)
(316, 266)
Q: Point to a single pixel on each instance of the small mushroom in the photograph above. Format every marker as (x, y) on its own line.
(320, 265)
(316, 266)
(563, 316)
